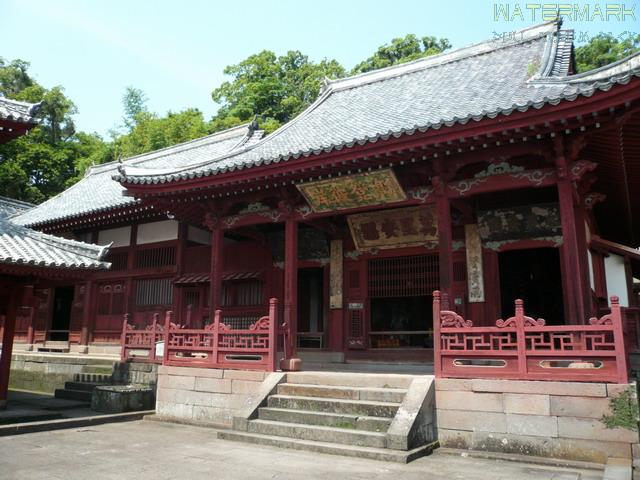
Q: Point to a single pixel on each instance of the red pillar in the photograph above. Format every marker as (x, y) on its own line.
(444, 244)
(291, 283)
(7, 344)
(217, 239)
(573, 276)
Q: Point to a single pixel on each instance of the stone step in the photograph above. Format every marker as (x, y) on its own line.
(395, 395)
(346, 379)
(353, 407)
(357, 422)
(371, 453)
(98, 369)
(80, 395)
(83, 386)
(318, 433)
(92, 377)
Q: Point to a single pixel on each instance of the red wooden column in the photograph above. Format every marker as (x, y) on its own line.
(445, 257)
(7, 343)
(217, 239)
(291, 284)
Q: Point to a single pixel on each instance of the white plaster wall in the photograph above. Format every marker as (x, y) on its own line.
(121, 237)
(198, 235)
(616, 278)
(157, 232)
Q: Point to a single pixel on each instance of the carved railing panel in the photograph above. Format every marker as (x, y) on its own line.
(220, 346)
(522, 347)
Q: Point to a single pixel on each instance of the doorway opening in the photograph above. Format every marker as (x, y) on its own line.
(400, 298)
(310, 307)
(61, 319)
(534, 276)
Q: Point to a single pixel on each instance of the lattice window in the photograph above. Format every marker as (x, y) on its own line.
(409, 276)
(158, 291)
(242, 293)
(356, 329)
(156, 257)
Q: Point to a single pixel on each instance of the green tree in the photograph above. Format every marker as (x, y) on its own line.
(152, 132)
(274, 88)
(401, 50)
(604, 49)
(134, 102)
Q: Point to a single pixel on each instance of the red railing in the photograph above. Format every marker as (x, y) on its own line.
(140, 345)
(524, 348)
(220, 346)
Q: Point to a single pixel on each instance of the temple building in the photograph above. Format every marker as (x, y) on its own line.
(491, 172)
(30, 261)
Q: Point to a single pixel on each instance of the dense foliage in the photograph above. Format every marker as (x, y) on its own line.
(272, 88)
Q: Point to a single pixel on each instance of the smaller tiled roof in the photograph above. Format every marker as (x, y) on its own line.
(15, 111)
(25, 247)
(97, 192)
(10, 207)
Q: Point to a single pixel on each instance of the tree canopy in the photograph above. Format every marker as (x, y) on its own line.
(604, 49)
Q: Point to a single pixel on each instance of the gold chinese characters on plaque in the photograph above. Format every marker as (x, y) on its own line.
(400, 227)
(343, 193)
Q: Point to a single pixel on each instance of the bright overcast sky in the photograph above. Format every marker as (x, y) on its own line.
(175, 51)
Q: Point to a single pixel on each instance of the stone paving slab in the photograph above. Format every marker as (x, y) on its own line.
(151, 450)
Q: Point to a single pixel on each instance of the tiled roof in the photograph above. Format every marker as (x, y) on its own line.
(485, 80)
(97, 192)
(16, 111)
(20, 245)
(10, 207)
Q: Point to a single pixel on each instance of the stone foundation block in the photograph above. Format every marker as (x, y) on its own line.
(244, 375)
(174, 381)
(215, 385)
(472, 421)
(579, 407)
(121, 398)
(453, 384)
(217, 416)
(175, 410)
(244, 386)
(593, 429)
(189, 371)
(526, 404)
(562, 448)
(532, 425)
(480, 402)
(540, 388)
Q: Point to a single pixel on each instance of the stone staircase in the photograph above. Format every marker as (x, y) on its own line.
(81, 388)
(338, 413)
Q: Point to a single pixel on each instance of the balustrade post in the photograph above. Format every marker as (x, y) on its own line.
(167, 333)
(520, 339)
(273, 335)
(188, 319)
(123, 338)
(618, 340)
(437, 360)
(154, 336)
(216, 336)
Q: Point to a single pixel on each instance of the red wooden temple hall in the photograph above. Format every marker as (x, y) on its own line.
(30, 261)
(491, 172)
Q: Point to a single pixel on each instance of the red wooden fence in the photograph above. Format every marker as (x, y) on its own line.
(220, 346)
(140, 345)
(524, 348)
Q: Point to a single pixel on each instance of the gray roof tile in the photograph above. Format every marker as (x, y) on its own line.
(16, 111)
(97, 192)
(20, 245)
(488, 79)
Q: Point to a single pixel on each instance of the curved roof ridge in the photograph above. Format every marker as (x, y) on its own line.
(479, 48)
(212, 138)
